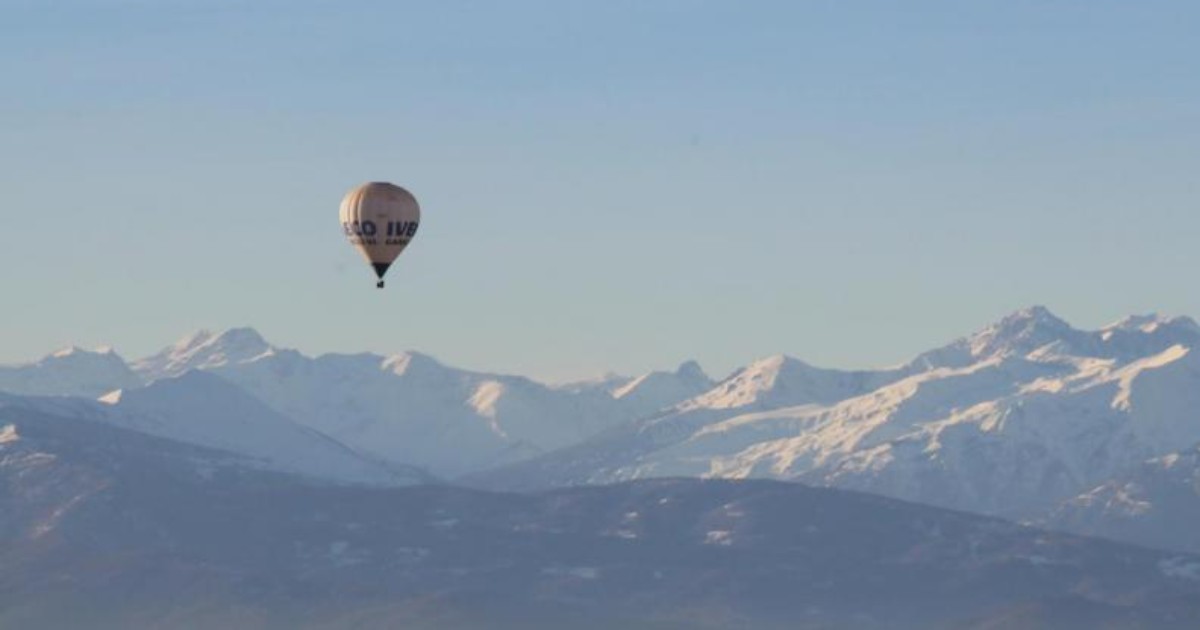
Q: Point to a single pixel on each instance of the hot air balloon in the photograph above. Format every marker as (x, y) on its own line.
(380, 219)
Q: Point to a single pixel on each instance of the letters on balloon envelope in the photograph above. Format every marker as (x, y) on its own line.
(380, 219)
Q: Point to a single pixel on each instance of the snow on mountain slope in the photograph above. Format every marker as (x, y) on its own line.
(204, 350)
(657, 390)
(1036, 329)
(69, 372)
(409, 408)
(647, 393)
(203, 409)
(780, 380)
(619, 454)
(1017, 334)
(1156, 505)
(607, 382)
(1010, 421)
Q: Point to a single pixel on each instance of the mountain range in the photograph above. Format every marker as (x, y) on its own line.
(1029, 419)
(1023, 419)
(403, 410)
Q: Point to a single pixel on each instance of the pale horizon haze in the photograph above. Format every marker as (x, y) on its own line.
(612, 186)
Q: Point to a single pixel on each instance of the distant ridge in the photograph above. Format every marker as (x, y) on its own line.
(1028, 418)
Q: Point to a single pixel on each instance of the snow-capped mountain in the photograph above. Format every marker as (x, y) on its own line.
(203, 409)
(1011, 420)
(204, 350)
(404, 409)
(780, 380)
(1036, 329)
(1017, 334)
(659, 390)
(409, 408)
(69, 372)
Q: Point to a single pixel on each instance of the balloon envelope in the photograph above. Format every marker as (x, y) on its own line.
(380, 219)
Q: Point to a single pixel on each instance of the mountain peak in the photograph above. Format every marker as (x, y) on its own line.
(204, 349)
(780, 379)
(775, 363)
(243, 335)
(608, 381)
(194, 339)
(660, 389)
(691, 369)
(240, 344)
(1151, 322)
(412, 363)
(1184, 322)
(75, 352)
(1020, 333)
(63, 353)
(1136, 322)
(239, 338)
(1030, 317)
(70, 371)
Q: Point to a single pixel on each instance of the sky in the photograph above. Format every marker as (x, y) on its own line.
(616, 185)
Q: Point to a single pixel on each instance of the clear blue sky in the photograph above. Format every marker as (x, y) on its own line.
(606, 185)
